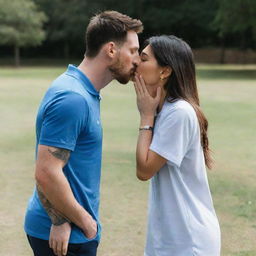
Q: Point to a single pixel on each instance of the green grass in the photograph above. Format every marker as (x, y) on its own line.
(226, 72)
(228, 98)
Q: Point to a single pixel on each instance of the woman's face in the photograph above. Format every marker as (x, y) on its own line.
(149, 68)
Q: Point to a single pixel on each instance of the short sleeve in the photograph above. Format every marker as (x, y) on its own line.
(172, 135)
(64, 119)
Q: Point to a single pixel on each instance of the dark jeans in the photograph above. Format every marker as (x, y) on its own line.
(41, 248)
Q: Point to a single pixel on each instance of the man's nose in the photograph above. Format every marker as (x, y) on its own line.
(137, 60)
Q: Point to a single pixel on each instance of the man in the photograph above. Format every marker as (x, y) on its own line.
(64, 206)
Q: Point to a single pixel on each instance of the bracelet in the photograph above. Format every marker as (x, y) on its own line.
(146, 127)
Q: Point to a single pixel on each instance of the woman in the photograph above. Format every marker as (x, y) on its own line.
(172, 151)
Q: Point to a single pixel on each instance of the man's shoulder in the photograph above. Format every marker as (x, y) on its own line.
(66, 86)
(64, 100)
(65, 82)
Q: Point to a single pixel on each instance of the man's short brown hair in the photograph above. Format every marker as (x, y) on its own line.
(109, 26)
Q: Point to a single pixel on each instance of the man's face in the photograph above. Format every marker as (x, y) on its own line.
(127, 60)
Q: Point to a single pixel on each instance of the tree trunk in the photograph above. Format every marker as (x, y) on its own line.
(222, 52)
(243, 47)
(17, 56)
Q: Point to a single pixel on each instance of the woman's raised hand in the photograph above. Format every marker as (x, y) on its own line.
(147, 104)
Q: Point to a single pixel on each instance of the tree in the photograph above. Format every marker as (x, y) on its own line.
(20, 25)
(236, 19)
(67, 22)
(187, 19)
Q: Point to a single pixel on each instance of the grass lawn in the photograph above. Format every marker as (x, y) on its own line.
(228, 98)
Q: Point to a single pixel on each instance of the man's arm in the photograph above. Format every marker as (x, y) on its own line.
(54, 186)
(55, 216)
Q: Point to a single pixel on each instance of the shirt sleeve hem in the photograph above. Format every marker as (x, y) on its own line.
(173, 160)
(57, 144)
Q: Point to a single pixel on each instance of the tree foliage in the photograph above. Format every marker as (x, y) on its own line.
(237, 18)
(203, 23)
(20, 23)
(188, 19)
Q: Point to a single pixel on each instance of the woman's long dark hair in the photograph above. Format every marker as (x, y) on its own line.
(177, 54)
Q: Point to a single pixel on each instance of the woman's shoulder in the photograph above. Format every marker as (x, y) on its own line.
(178, 107)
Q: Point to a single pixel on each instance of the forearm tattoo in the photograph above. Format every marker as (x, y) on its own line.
(55, 216)
(60, 153)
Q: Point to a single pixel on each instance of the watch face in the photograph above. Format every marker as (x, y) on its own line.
(146, 127)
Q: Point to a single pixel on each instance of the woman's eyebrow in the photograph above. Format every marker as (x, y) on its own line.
(144, 54)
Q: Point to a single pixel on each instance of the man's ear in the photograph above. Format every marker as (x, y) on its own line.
(111, 49)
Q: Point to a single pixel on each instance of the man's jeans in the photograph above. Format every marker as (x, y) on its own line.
(41, 248)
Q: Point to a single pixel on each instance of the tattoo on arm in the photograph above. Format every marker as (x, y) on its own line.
(60, 153)
(56, 217)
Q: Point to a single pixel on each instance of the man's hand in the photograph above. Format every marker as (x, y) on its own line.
(59, 237)
(90, 229)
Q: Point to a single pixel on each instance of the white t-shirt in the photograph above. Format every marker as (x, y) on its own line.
(181, 218)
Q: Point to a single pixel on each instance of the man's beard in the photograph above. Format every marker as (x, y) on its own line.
(117, 71)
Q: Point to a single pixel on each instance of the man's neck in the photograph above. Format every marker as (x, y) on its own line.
(96, 71)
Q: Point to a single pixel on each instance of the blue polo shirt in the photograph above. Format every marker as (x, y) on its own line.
(69, 118)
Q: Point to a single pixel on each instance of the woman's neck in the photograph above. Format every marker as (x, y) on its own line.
(162, 100)
(152, 91)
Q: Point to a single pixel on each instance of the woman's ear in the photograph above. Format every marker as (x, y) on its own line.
(166, 73)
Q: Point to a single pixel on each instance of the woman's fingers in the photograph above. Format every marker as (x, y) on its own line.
(144, 90)
(136, 88)
(143, 85)
(138, 85)
(141, 88)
